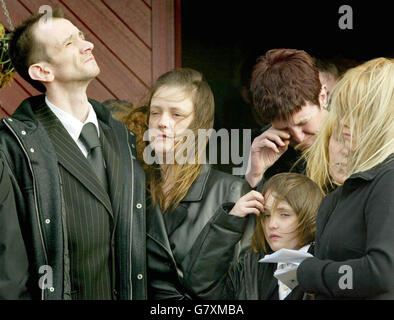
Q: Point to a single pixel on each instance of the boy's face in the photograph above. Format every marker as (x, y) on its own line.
(280, 224)
(71, 57)
(304, 125)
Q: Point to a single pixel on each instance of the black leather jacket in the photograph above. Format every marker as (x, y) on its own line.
(174, 243)
(33, 169)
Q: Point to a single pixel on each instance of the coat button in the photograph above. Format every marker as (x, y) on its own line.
(51, 289)
(23, 132)
(32, 150)
(47, 221)
(10, 120)
(139, 205)
(139, 276)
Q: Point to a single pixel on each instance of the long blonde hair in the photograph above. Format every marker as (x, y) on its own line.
(363, 100)
(317, 156)
(179, 177)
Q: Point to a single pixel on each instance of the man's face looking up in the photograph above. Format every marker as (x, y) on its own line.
(70, 55)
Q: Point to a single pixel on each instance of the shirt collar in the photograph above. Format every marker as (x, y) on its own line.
(373, 172)
(72, 124)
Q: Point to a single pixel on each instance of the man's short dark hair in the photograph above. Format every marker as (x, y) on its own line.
(25, 49)
(283, 80)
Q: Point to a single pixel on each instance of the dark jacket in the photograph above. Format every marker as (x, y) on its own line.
(174, 242)
(33, 168)
(13, 258)
(354, 253)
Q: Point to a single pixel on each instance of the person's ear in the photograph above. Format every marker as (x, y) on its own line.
(323, 96)
(41, 72)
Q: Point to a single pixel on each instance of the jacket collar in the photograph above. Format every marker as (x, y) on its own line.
(373, 172)
(196, 190)
(28, 114)
(26, 111)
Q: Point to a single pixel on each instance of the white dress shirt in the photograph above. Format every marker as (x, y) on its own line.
(284, 290)
(73, 125)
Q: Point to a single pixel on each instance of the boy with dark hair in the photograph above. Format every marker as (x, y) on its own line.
(287, 93)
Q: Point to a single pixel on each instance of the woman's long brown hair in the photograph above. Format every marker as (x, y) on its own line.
(179, 177)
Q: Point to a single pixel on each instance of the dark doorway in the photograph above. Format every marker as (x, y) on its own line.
(222, 39)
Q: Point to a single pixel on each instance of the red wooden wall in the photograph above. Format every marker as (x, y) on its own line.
(134, 42)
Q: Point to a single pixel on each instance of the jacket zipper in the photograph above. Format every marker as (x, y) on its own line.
(35, 198)
(64, 242)
(131, 224)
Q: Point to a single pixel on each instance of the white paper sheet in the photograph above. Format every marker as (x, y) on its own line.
(286, 256)
(288, 276)
(292, 258)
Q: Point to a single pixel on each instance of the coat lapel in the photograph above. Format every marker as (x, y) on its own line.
(196, 190)
(175, 218)
(70, 156)
(156, 228)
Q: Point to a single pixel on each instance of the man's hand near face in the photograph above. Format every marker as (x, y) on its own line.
(266, 149)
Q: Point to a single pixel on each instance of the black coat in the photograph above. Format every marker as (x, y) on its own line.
(13, 258)
(354, 253)
(174, 242)
(33, 169)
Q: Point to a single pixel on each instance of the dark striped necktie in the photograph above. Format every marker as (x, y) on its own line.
(90, 139)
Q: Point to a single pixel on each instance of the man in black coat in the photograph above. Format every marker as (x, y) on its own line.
(79, 190)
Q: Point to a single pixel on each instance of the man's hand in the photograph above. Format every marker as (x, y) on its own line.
(265, 151)
(252, 202)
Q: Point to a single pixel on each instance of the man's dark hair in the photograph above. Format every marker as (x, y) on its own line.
(283, 80)
(326, 66)
(25, 49)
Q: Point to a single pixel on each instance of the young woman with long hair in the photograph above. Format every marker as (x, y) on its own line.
(186, 196)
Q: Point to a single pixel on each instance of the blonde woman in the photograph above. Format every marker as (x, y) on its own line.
(354, 252)
(326, 159)
(185, 196)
